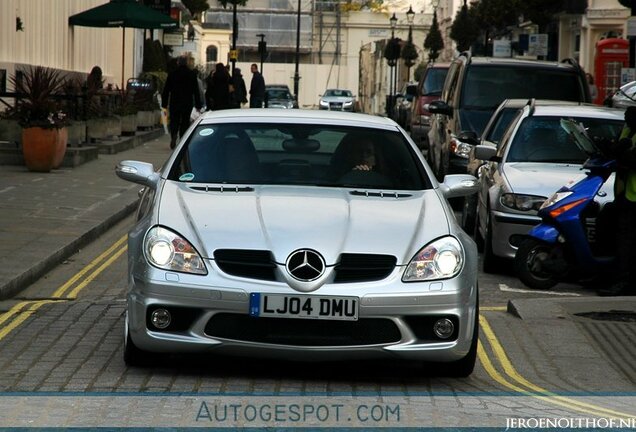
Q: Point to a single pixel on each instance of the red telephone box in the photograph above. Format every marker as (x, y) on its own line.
(610, 57)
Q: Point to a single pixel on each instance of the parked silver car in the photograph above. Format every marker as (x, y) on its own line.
(337, 100)
(534, 158)
(300, 234)
(625, 96)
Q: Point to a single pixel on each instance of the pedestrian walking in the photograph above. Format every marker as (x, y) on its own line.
(218, 91)
(257, 88)
(592, 86)
(180, 95)
(624, 151)
(238, 91)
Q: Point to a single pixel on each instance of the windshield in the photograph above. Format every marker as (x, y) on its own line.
(278, 94)
(299, 154)
(542, 139)
(434, 81)
(338, 93)
(487, 86)
(501, 124)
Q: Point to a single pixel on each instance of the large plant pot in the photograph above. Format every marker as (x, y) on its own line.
(145, 119)
(129, 124)
(96, 128)
(77, 133)
(42, 148)
(60, 147)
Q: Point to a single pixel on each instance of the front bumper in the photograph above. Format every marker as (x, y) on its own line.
(207, 299)
(504, 226)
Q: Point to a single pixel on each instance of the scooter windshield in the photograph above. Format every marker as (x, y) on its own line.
(578, 133)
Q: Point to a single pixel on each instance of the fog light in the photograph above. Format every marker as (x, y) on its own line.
(160, 318)
(443, 328)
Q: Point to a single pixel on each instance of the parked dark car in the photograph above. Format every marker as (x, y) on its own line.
(403, 102)
(429, 89)
(279, 96)
(473, 89)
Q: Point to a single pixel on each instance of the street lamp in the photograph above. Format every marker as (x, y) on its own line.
(262, 48)
(296, 75)
(392, 62)
(234, 36)
(410, 16)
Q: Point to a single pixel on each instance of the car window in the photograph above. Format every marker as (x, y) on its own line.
(502, 121)
(338, 93)
(317, 155)
(541, 139)
(488, 86)
(434, 81)
(448, 90)
(278, 94)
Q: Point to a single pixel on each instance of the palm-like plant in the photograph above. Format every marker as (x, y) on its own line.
(36, 106)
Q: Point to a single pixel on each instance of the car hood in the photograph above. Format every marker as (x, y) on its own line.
(337, 98)
(283, 219)
(540, 178)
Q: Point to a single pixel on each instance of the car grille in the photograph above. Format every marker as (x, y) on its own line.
(303, 332)
(259, 264)
(335, 105)
(254, 264)
(363, 267)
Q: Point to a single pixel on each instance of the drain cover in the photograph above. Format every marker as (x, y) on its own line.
(613, 315)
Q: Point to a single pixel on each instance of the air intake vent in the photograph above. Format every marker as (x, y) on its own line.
(303, 332)
(254, 264)
(223, 188)
(380, 194)
(363, 267)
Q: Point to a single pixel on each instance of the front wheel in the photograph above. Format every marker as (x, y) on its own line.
(529, 260)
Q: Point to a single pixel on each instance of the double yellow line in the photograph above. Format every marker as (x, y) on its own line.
(517, 383)
(15, 316)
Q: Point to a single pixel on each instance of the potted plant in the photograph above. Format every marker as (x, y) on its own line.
(44, 134)
(127, 112)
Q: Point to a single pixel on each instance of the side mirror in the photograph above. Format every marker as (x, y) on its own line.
(459, 185)
(486, 152)
(440, 107)
(142, 173)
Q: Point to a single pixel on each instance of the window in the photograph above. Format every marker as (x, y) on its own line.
(310, 155)
(211, 54)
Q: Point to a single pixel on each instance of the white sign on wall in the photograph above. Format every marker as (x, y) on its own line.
(628, 75)
(538, 44)
(501, 48)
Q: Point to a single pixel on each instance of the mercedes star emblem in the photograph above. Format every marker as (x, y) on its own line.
(305, 265)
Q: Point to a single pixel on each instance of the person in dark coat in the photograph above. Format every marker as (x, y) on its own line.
(180, 94)
(238, 91)
(257, 88)
(219, 88)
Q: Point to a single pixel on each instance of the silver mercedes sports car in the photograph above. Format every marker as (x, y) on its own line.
(300, 235)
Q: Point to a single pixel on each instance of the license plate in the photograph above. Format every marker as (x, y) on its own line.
(299, 306)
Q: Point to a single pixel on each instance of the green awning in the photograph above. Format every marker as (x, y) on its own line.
(123, 13)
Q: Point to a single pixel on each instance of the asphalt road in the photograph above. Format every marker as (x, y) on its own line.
(61, 365)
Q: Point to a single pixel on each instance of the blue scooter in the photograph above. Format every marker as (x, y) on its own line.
(574, 241)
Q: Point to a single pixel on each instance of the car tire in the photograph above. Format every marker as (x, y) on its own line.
(492, 263)
(468, 213)
(526, 259)
(464, 367)
(133, 356)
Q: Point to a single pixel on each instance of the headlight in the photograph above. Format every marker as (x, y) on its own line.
(441, 259)
(460, 148)
(323, 103)
(521, 202)
(555, 198)
(347, 103)
(169, 251)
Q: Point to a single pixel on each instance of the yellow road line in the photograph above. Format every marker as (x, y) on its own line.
(18, 314)
(554, 398)
(89, 279)
(60, 291)
(493, 308)
(33, 306)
